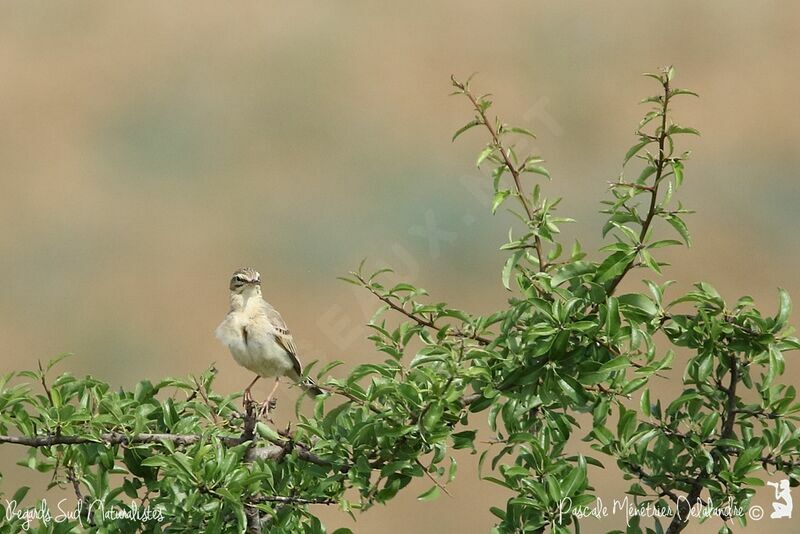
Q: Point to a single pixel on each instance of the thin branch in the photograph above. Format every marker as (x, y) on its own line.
(775, 461)
(416, 318)
(253, 516)
(349, 396)
(616, 352)
(681, 519)
(514, 173)
(433, 479)
(146, 497)
(730, 408)
(769, 459)
(110, 438)
(605, 391)
(660, 166)
(255, 500)
(199, 390)
(289, 500)
(76, 487)
(644, 477)
(249, 418)
(760, 413)
(283, 445)
(115, 438)
(466, 400)
(44, 383)
(640, 187)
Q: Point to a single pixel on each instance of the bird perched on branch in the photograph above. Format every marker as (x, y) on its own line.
(258, 338)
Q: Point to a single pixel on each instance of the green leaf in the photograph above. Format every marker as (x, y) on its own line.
(553, 488)
(52, 363)
(430, 494)
(644, 403)
(499, 198)
(603, 435)
(784, 308)
(56, 396)
(570, 271)
(432, 416)
(639, 302)
(613, 266)
(663, 243)
(328, 368)
(677, 223)
(464, 439)
(677, 168)
(705, 367)
(675, 129)
(747, 461)
(709, 424)
(635, 150)
(626, 424)
(620, 362)
(523, 131)
(612, 322)
(485, 153)
(683, 92)
(730, 443)
(658, 99)
(633, 385)
(20, 494)
(470, 124)
(648, 171)
(498, 512)
(155, 461)
(681, 401)
(537, 169)
(575, 479)
(619, 218)
(509, 267)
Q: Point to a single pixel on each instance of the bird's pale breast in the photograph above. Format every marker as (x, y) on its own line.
(253, 346)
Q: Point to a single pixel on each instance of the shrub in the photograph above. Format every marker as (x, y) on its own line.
(567, 358)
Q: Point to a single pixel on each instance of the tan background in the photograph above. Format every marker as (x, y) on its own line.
(148, 150)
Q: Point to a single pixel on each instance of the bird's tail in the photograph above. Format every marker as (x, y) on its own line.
(310, 386)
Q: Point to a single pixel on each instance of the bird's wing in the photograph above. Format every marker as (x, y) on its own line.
(284, 337)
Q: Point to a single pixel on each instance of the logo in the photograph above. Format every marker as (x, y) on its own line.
(782, 507)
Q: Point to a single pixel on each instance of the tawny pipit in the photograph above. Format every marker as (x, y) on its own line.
(258, 338)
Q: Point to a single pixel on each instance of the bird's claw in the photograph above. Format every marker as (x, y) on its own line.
(266, 407)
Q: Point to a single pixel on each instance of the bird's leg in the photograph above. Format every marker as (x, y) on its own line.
(269, 404)
(248, 398)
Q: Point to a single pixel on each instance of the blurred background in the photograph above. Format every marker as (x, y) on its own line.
(147, 150)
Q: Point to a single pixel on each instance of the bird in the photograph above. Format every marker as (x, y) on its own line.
(258, 338)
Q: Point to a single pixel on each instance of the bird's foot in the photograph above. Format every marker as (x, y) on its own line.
(266, 407)
(247, 398)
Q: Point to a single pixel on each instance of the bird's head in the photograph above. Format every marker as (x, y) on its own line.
(245, 279)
